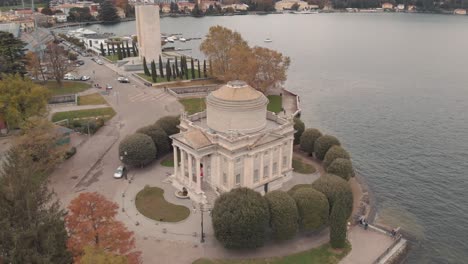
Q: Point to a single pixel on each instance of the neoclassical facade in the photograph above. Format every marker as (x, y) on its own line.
(236, 142)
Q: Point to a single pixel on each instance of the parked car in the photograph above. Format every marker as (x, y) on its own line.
(120, 172)
(108, 87)
(84, 78)
(99, 62)
(122, 79)
(69, 77)
(79, 63)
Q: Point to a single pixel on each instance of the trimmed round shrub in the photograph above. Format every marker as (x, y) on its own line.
(308, 139)
(341, 167)
(137, 150)
(333, 153)
(169, 124)
(159, 137)
(297, 187)
(240, 219)
(313, 208)
(338, 225)
(335, 189)
(299, 127)
(283, 214)
(323, 144)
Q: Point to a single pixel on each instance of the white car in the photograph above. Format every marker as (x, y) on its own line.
(120, 172)
(123, 79)
(69, 77)
(108, 87)
(99, 62)
(84, 78)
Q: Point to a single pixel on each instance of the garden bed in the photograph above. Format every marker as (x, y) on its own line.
(71, 87)
(150, 202)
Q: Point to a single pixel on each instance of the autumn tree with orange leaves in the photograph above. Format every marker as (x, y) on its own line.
(91, 222)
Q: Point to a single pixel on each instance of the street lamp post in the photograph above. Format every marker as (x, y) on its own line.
(202, 240)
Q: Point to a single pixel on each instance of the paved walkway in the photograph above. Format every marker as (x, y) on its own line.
(66, 108)
(367, 245)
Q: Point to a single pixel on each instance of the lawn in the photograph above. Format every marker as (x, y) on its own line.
(168, 161)
(320, 255)
(112, 58)
(91, 99)
(67, 87)
(276, 103)
(302, 167)
(161, 79)
(107, 112)
(193, 105)
(151, 203)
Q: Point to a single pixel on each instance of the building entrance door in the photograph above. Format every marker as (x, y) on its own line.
(265, 188)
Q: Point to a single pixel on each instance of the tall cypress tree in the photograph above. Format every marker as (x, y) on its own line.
(174, 72)
(145, 67)
(103, 53)
(186, 68)
(154, 75)
(198, 63)
(182, 70)
(161, 70)
(128, 50)
(193, 68)
(134, 50)
(168, 70)
(113, 48)
(211, 70)
(177, 67)
(108, 49)
(204, 69)
(119, 52)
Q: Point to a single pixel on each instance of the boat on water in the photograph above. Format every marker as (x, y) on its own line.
(182, 39)
(268, 40)
(305, 12)
(170, 39)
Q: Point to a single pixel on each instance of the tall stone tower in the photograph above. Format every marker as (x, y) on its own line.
(148, 32)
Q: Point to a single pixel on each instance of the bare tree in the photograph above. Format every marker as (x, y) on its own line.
(57, 60)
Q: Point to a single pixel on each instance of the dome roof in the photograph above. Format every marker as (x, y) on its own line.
(237, 91)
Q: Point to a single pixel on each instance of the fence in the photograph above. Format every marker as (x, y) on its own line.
(64, 99)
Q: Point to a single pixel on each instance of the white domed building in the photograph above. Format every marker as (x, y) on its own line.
(236, 142)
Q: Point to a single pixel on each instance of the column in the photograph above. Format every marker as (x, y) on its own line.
(271, 163)
(182, 164)
(190, 171)
(176, 163)
(260, 176)
(231, 177)
(280, 160)
(197, 169)
(291, 144)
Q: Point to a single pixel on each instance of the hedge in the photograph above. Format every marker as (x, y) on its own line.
(137, 150)
(335, 188)
(240, 219)
(308, 139)
(323, 144)
(283, 215)
(299, 127)
(333, 153)
(169, 124)
(313, 208)
(159, 137)
(341, 167)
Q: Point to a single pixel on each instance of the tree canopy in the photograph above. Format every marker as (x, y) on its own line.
(333, 153)
(137, 150)
(308, 138)
(240, 218)
(283, 214)
(313, 208)
(31, 221)
(12, 56)
(232, 59)
(169, 124)
(108, 12)
(21, 99)
(159, 137)
(299, 127)
(91, 222)
(323, 144)
(335, 189)
(94, 255)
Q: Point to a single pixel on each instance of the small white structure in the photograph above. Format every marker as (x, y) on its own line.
(148, 32)
(234, 143)
(287, 5)
(459, 11)
(60, 18)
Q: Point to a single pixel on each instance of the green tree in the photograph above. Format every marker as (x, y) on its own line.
(297, 187)
(154, 75)
(338, 225)
(313, 208)
(128, 49)
(283, 214)
(159, 137)
(168, 71)
(103, 53)
(161, 71)
(169, 124)
(199, 69)
(186, 68)
(137, 150)
(335, 189)
(21, 99)
(108, 49)
(196, 11)
(93, 255)
(204, 69)
(108, 12)
(119, 52)
(145, 67)
(177, 72)
(113, 48)
(308, 138)
(31, 222)
(299, 127)
(134, 50)
(341, 167)
(12, 56)
(193, 68)
(333, 153)
(240, 218)
(323, 144)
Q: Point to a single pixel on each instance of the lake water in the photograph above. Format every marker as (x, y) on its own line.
(394, 89)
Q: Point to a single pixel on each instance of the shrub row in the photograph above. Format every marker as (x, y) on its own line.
(149, 142)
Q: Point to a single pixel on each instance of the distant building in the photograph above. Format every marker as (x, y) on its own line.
(60, 18)
(186, 6)
(400, 7)
(236, 7)
(387, 6)
(12, 28)
(459, 11)
(287, 5)
(411, 8)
